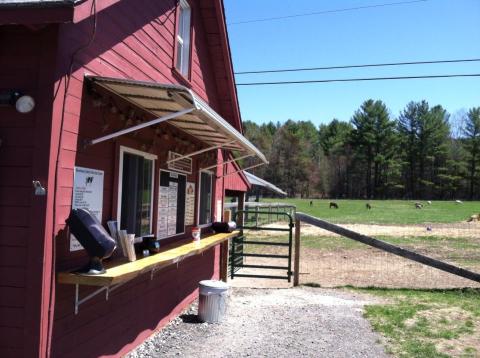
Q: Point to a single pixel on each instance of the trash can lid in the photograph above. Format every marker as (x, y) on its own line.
(212, 286)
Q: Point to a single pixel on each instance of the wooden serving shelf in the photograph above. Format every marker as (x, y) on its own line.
(121, 271)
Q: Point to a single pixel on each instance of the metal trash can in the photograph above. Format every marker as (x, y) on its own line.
(212, 303)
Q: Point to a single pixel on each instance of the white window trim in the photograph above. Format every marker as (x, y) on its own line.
(147, 156)
(185, 207)
(198, 196)
(183, 39)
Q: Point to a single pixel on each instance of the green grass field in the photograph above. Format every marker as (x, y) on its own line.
(427, 323)
(385, 211)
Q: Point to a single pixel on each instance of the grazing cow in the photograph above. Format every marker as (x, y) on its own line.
(368, 206)
(311, 203)
(418, 205)
(458, 201)
(333, 205)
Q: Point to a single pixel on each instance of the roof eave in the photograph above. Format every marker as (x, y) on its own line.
(37, 13)
(225, 43)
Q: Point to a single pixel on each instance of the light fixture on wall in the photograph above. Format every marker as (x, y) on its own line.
(23, 103)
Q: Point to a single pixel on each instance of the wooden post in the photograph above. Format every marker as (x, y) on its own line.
(224, 260)
(296, 259)
(256, 216)
(240, 214)
(227, 215)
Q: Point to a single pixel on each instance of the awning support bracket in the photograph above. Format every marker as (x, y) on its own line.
(218, 146)
(139, 126)
(241, 170)
(228, 161)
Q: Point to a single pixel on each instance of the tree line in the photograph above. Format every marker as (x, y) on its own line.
(424, 153)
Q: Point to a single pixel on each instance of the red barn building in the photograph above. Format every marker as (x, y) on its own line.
(128, 108)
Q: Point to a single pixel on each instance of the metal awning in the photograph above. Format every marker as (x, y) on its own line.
(181, 107)
(254, 180)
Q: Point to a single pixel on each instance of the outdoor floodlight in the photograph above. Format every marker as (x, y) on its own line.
(23, 103)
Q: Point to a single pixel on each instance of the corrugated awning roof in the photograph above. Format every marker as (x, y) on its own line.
(254, 180)
(161, 100)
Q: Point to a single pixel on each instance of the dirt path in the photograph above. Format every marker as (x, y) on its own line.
(460, 229)
(297, 322)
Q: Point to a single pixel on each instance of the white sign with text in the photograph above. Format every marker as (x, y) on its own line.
(87, 194)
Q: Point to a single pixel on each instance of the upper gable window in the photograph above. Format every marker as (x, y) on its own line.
(183, 38)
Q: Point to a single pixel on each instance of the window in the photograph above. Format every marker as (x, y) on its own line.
(183, 38)
(135, 191)
(205, 199)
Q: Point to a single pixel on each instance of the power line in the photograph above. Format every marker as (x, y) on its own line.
(357, 79)
(357, 66)
(326, 12)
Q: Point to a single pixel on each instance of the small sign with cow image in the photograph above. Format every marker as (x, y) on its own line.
(183, 165)
(87, 194)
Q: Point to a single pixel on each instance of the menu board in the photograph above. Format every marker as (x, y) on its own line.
(87, 194)
(190, 204)
(171, 204)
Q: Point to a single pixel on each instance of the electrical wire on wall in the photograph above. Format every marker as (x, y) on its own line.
(66, 78)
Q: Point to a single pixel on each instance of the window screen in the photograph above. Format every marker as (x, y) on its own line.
(205, 207)
(136, 206)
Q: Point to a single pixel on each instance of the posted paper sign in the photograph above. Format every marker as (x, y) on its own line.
(167, 209)
(190, 204)
(219, 210)
(172, 208)
(87, 194)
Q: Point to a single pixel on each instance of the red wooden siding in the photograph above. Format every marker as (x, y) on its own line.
(134, 39)
(26, 63)
(237, 181)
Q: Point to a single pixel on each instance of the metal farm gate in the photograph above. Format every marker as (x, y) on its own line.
(253, 239)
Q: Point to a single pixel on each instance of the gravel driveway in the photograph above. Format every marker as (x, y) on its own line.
(302, 321)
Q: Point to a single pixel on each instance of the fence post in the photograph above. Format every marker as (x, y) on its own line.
(241, 215)
(256, 216)
(296, 259)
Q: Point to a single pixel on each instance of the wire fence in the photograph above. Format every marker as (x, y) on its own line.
(329, 260)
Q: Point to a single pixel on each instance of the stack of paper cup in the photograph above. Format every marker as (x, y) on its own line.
(126, 242)
(122, 235)
(131, 247)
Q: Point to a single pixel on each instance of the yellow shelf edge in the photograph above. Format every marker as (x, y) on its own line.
(127, 271)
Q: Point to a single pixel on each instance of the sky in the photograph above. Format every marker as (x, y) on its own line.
(417, 31)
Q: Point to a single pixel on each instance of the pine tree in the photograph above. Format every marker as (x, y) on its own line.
(373, 140)
(472, 146)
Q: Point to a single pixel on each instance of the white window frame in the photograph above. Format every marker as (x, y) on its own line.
(183, 39)
(185, 205)
(147, 156)
(199, 193)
